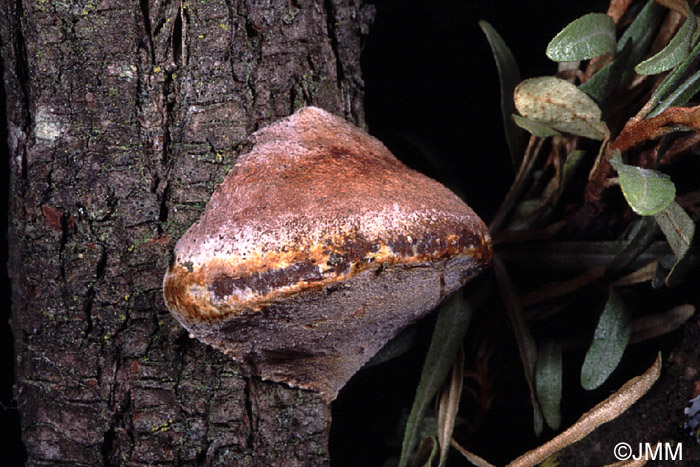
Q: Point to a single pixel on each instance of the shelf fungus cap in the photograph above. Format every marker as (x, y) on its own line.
(317, 249)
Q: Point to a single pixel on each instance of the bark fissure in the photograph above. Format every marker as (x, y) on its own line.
(249, 412)
(90, 296)
(244, 52)
(332, 35)
(144, 6)
(20, 69)
(177, 38)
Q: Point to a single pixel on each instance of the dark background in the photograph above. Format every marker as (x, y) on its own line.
(432, 97)
(432, 85)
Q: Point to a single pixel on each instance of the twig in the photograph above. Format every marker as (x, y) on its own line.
(556, 289)
(608, 410)
(518, 186)
(635, 133)
(471, 457)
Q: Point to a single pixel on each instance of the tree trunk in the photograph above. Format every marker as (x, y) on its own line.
(123, 116)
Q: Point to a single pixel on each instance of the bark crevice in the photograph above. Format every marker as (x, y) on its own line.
(331, 20)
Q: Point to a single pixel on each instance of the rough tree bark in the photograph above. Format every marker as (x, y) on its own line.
(123, 116)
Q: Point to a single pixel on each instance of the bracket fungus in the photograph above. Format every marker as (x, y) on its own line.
(317, 249)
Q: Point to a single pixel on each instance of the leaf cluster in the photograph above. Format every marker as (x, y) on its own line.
(604, 133)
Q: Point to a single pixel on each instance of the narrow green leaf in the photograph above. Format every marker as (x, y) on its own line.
(680, 95)
(640, 34)
(560, 105)
(449, 406)
(548, 375)
(605, 81)
(586, 37)
(509, 77)
(679, 229)
(643, 28)
(526, 344)
(674, 53)
(609, 342)
(679, 91)
(642, 233)
(536, 128)
(647, 191)
(450, 328)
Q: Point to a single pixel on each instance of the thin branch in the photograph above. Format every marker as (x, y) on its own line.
(608, 410)
(637, 132)
(518, 186)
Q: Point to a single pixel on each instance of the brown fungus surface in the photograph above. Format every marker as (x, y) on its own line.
(318, 248)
